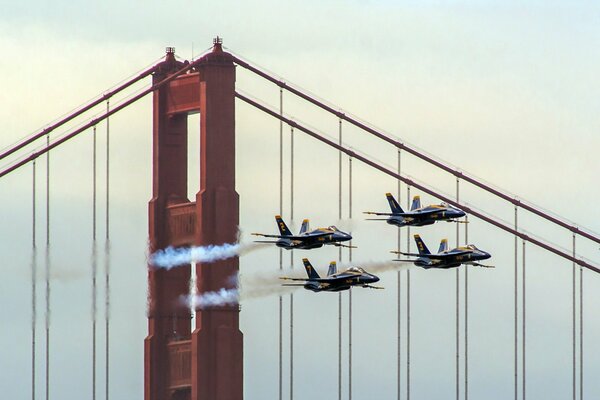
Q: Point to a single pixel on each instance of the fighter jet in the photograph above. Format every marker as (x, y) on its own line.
(306, 239)
(418, 216)
(334, 282)
(446, 258)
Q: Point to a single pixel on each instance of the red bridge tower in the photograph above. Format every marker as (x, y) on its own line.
(206, 363)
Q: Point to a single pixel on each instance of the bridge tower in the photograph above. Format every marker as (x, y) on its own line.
(206, 362)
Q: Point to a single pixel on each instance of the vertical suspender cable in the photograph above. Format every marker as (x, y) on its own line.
(280, 249)
(457, 316)
(47, 261)
(107, 262)
(516, 305)
(408, 304)
(466, 315)
(350, 291)
(580, 326)
(94, 266)
(573, 323)
(523, 333)
(399, 298)
(292, 265)
(33, 282)
(340, 260)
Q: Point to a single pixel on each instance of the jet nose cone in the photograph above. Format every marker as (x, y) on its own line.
(486, 255)
(374, 278)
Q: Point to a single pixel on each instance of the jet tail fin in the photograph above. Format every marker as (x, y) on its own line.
(305, 227)
(310, 270)
(283, 229)
(396, 209)
(332, 268)
(443, 245)
(416, 203)
(423, 250)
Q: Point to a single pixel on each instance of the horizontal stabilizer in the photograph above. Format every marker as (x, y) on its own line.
(343, 245)
(373, 287)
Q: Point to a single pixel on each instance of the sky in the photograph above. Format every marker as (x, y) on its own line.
(507, 91)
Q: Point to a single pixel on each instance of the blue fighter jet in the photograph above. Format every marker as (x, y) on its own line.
(446, 258)
(306, 239)
(335, 281)
(418, 216)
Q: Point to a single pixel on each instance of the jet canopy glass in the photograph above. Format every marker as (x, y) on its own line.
(472, 247)
(357, 269)
(333, 228)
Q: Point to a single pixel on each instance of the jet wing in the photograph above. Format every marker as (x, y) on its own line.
(378, 213)
(286, 278)
(269, 236)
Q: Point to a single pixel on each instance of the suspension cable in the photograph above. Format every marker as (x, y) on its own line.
(399, 296)
(340, 260)
(280, 249)
(47, 262)
(416, 153)
(574, 267)
(33, 281)
(94, 266)
(457, 313)
(95, 121)
(580, 327)
(292, 264)
(422, 187)
(516, 305)
(408, 303)
(350, 290)
(523, 334)
(107, 259)
(466, 314)
(46, 131)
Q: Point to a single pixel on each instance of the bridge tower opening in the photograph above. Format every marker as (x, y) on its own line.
(206, 362)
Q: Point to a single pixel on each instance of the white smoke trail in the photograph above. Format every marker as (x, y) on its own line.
(247, 286)
(377, 266)
(173, 257)
(221, 297)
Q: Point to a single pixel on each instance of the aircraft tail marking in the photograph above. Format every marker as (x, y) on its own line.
(310, 270)
(423, 250)
(416, 203)
(396, 209)
(283, 229)
(304, 228)
(332, 268)
(443, 245)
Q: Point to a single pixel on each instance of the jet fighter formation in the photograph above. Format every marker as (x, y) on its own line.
(418, 216)
(335, 281)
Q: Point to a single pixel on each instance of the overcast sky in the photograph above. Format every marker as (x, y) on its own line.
(504, 90)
